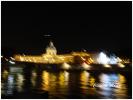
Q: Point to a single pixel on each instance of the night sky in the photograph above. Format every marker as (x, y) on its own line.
(73, 26)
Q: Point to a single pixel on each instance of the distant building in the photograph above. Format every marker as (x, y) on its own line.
(52, 57)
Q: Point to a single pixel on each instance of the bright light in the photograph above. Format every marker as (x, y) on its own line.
(45, 80)
(104, 78)
(11, 62)
(10, 79)
(12, 58)
(121, 65)
(85, 66)
(84, 78)
(107, 65)
(6, 59)
(66, 66)
(21, 58)
(108, 80)
(66, 75)
(113, 60)
(19, 82)
(119, 60)
(103, 59)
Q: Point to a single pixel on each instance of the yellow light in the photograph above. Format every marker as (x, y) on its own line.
(84, 77)
(121, 65)
(66, 66)
(33, 78)
(86, 66)
(91, 60)
(5, 74)
(107, 65)
(119, 60)
(21, 59)
(45, 78)
(121, 89)
(91, 81)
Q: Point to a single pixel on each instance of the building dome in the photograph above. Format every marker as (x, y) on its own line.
(51, 50)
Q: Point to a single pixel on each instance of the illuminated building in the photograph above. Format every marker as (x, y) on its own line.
(52, 57)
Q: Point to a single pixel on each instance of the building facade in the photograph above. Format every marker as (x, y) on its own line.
(52, 57)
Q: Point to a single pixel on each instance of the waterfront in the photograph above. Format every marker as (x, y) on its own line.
(66, 50)
(67, 84)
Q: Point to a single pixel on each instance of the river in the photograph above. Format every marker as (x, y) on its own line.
(69, 84)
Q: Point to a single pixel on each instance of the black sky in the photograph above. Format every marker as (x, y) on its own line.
(72, 25)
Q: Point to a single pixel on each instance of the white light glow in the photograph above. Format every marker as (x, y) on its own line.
(66, 66)
(103, 59)
(107, 65)
(10, 79)
(113, 60)
(85, 66)
(11, 62)
(12, 58)
(6, 59)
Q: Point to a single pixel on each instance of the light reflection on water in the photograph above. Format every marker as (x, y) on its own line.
(19, 82)
(45, 80)
(113, 86)
(84, 77)
(33, 78)
(64, 84)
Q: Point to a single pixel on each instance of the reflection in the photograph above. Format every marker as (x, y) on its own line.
(10, 79)
(104, 78)
(108, 81)
(122, 79)
(45, 80)
(114, 77)
(19, 82)
(53, 77)
(66, 75)
(91, 81)
(84, 77)
(107, 84)
(33, 78)
(10, 84)
(113, 85)
(92, 89)
(63, 78)
(55, 83)
(5, 74)
(62, 84)
(122, 90)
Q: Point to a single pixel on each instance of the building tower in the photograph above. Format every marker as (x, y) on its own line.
(51, 50)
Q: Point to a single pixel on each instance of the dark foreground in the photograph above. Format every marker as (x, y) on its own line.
(38, 83)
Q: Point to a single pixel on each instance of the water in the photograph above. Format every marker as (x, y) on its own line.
(68, 84)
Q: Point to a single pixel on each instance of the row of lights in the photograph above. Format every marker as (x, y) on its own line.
(85, 66)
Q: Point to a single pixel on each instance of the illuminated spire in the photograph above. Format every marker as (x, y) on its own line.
(51, 50)
(51, 44)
